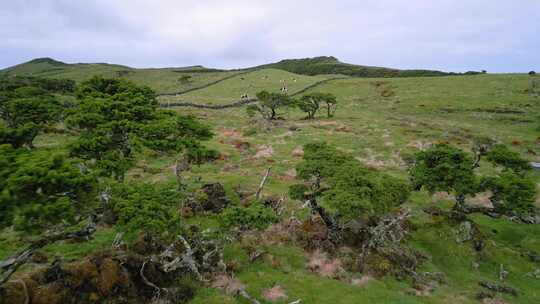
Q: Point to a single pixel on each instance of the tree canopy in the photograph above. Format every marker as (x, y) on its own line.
(344, 186)
(268, 104)
(447, 168)
(115, 117)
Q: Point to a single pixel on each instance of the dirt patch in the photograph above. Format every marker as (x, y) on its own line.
(264, 151)
(361, 282)
(481, 200)
(289, 175)
(282, 232)
(320, 263)
(275, 294)
(227, 283)
(230, 167)
(419, 145)
(241, 145)
(344, 129)
(229, 133)
(298, 151)
(441, 196)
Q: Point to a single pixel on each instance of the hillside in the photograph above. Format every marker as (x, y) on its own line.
(288, 255)
(169, 81)
(331, 65)
(162, 80)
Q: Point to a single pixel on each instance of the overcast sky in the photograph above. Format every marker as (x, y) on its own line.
(451, 35)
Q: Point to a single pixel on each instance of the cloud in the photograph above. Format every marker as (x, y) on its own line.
(441, 34)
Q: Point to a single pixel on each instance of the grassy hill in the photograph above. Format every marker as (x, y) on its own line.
(381, 121)
(164, 80)
(331, 65)
(169, 80)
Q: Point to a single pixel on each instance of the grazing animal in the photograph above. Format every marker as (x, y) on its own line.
(244, 96)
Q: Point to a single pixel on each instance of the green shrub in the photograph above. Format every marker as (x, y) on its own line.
(152, 208)
(344, 186)
(502, 156)
(444, 168)
(447, 168)
(256, 216)
(41, 188)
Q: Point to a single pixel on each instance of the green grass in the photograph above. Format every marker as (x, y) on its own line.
(251, 83)
(376, 129)
(165, 80)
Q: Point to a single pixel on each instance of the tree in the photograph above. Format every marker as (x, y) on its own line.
(330, 102)
(268, 104)
(152, 208)
(41, 188)
(532, 73)
(25, 111)
(311, 103)
(447, 168)
(344, 187)
(115, 117)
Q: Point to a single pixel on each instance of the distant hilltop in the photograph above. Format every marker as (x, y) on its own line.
(306, 66)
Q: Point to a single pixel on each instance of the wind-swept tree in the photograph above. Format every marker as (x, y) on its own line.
(115, 117)
(338, 186)
(447, 168)
(41, 188)
(268, 104)
(311, 103)
(25, 111)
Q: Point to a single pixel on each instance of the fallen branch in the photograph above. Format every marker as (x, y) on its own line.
(147, 282)
(263, 181)
(9, 266)
(499, 288)
(246, 296)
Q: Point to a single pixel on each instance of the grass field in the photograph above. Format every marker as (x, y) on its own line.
(379, 121)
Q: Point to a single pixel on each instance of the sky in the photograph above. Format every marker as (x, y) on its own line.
(450, 35)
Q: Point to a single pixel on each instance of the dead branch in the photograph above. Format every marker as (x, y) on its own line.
(117, 242)
(147, 282)
(499, 288)
(263, 181)
(246, 296)
(9, 266)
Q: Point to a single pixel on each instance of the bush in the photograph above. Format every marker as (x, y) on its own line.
(447, 168)
(151, 208)
(40, 188)
(256, 216)
(502, 156)
(512, 193)
(344, 186)
(444, 168)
